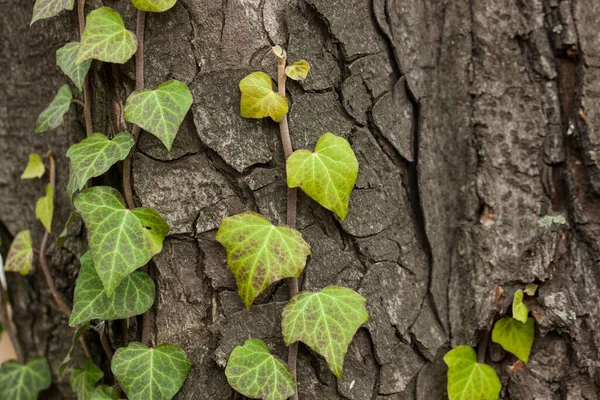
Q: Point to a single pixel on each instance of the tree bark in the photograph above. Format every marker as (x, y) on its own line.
(471, 121)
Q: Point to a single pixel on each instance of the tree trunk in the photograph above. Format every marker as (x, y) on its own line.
(471, 121)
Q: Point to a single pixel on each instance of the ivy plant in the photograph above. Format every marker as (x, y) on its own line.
(53, 115)
(20, 254)
(35, 167)
(24, 382)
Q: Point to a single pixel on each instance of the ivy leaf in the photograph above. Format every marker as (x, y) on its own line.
(120, 240)
(53, 116)
(259, 253)
(160, 111)
(259, 100)
(65, 59)
(93, 156)
(20, 255)
(35, 167)
(83, 381)
(44, 208)
(146, 373)
(298, 70)
(24, 382)
(515, 336)
(468, 379)
(43, 9)
(80, 331)
(153, 5)
(133, 296)
(255, 373)
(63, 235)
(103, 392)
(530, 289)
(519, 309)
(326, 321)
(327, 175)
(105, 38)
(278, 51)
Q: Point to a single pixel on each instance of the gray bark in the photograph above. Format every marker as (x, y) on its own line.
(471, 120)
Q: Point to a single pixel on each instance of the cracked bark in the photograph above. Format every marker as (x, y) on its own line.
(471, 120)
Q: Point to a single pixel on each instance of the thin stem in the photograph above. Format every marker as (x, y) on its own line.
(78, 102)
(481, 349)
(286, 142)
(8, 325)
(106, 345)
(87, 102)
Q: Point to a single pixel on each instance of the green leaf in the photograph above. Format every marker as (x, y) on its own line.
(80, 331)
(133, 296)
(35, 167)
(259, 100)
(63, 235)
(24, 382)
(298, 70)
(519, 309)
(259, 253)
(44, 208)
(65, 59)
(20, 255)
(105, 38)
(83, 381)
(160, 111)
(326, 321)
(255, 373)
(278, 51)
(469, 380)
(120, 240)
(146, 373)
(327, 175)
(515, 336)
(530, 289)
(103, 392)
(43, 9)
(53, 116)
(153, 5)
(93, 156)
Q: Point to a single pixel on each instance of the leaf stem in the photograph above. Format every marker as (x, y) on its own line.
(286, 142)
(78, 102)
(481, 349)
(87, 102)
(8, 325)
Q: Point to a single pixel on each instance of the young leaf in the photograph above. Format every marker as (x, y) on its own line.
(103, 392)
(65, 59)
(278, 51)
(105, 38)
(530, 289)
(327, 175)
(24, 382)
(20, 255)
(63, 235)
(469, 380)
(35, 167)
(160, 111)
(146, 373)
(259, 253)
(259, 100)
(43, 9)
(120, 240)
(80, 331)
(83, 381)
(519, 309)
(515, 336)
(153, 5)
(133, 296)
(93, 156)
(255, 373)
(298, 70)
(44, 208)
(53, 115)
(326, 321)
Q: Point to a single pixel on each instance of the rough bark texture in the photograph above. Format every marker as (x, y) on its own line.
(471, 120)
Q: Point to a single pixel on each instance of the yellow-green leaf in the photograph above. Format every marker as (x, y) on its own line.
(103, 392)
(260, 253)
(530, 289)
(105, 38)
(160, 111)
(259, 100)
(153, 5)
(35, 167)
(53, 115)
(20, 255)
(65, 59)
(468, 379)
(43, 9)
(255, 373)
(44, 208)
(24, 382)
(83, 381)
(278, 51)
(515, 336)
(298, 70)
(326, 321)
(519, 309)
(327, 175)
